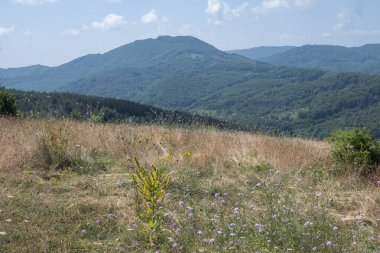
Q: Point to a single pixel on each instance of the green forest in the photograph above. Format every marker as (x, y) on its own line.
(97, 109)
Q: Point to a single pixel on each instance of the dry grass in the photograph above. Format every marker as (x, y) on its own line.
(21, 144)
(221, 161)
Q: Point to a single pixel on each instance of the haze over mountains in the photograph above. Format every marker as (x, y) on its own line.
(184, 73)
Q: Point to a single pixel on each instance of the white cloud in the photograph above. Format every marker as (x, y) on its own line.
(344, 19)
(269, 5)
(111, 21)
(33, 2)
(70, 32)
(6, 31)
(220, 10)
(149, 17)
(214, 7)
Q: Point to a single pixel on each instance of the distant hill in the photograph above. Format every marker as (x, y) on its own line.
(187, 74)
(99, 109)
(364, 59)
(257, 53)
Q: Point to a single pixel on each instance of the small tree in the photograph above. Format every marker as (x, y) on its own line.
(7, 104)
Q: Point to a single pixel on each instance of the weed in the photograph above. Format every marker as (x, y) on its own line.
(152, 187)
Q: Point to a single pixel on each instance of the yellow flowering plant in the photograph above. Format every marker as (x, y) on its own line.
(152, 187)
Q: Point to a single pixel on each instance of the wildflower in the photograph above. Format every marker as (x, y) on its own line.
(84, 231)
(168, 156)
(181, 203)
(258, 184)
(188, 154)
(318, 194)
(218, 231)
(189, 208)
(335, 228)
(307, 224)
(371, 239)
(236, 211)
(259, 227)
(232, 225)
(190, 215)
(274, 216)
(174, 245)
(232, 234)
(314, 248)
(329, 243)
(284, 220)
(212, 240)
(199, 232)
(97, 222)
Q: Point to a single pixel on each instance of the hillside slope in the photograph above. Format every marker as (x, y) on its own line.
(99, 109)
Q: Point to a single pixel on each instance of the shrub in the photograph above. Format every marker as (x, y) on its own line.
(7, 104)
(60, 153)
(355, 147)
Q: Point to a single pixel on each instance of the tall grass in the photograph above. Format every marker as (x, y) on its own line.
(230, 191)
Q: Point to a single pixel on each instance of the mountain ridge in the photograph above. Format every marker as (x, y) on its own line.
(187, 74)
(364, 59)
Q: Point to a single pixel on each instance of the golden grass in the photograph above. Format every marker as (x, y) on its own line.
(226, 157)
(21, 141)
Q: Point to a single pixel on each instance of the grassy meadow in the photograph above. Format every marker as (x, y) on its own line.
(66, 186)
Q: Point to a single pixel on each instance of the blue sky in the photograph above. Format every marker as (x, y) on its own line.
(52, 32)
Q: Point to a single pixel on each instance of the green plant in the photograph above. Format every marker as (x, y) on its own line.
(262, 166)
(152, 187)
(355, 147)
(7, 104)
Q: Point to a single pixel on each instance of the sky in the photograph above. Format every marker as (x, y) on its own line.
(53, 32)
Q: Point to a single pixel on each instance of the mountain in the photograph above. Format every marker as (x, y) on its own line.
(187, 74)
(257, 53)
(143, 53)
(365, 59)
